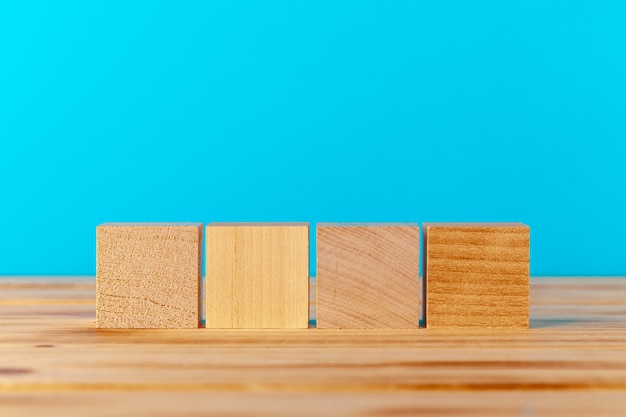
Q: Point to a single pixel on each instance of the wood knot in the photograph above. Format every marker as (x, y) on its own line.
(14, 371)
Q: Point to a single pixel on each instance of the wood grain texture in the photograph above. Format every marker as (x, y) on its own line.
(367, 276)
(148, 275)
(257, 275)
(572, 361)
(476, 275)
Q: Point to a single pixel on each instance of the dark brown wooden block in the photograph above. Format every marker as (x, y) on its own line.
(476, 275)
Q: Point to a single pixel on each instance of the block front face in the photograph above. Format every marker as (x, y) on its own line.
(368, 276)
(476, 275)
(257, 276)
(148, 276)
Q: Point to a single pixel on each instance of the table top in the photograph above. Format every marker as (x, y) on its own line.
(572, 361)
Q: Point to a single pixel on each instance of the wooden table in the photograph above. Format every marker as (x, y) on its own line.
(54, 362)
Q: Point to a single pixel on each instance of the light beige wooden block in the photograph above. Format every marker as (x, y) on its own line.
(257, 275)
(476, 275)
(148, 275)
(368, 276)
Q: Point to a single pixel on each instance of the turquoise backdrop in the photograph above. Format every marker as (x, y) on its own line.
(313, 111)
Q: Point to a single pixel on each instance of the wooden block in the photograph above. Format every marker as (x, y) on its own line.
(148, 275)
(368, 276)
(257, 275)
(476, 275)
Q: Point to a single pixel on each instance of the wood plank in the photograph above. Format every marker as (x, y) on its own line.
(548, 403)
(572, 361)
(368, 276)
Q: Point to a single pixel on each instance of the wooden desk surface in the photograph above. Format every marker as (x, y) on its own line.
(54, 362)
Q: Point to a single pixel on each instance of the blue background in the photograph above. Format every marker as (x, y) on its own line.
(313, 111)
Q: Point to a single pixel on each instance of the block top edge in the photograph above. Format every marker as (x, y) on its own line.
(257, 224)
(366, 224)
(151, 224)
(473, 224)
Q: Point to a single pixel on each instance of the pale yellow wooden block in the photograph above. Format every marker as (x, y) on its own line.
(257, 275)
(148, 275)
(368, 276)
(476, 275)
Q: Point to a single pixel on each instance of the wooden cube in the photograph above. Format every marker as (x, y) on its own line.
(148, 275)
(368, 276)
(476, 275)
(257, 275)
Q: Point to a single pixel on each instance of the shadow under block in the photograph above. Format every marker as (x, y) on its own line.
(257, 275)
(476, 275)
(368, 276)
(148, 275)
